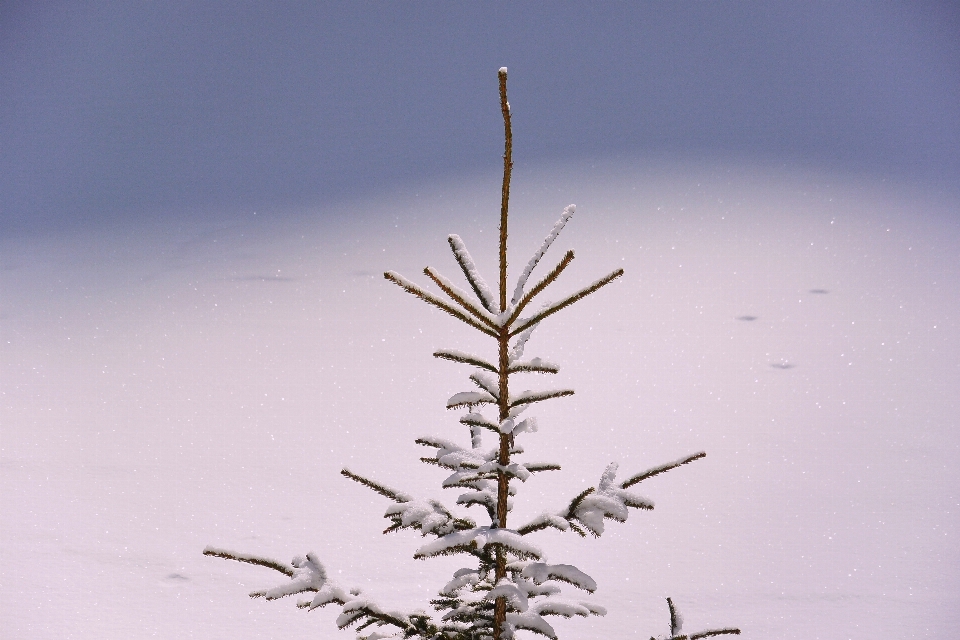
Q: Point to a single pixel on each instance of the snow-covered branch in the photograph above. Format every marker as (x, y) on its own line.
(540, 572)
(426, 516)
(470, 399)
(534, 365)
(607, 502)
(307, 574)
(521, 342)
(676, 628)
(485, 382)
(475, 539)
(474, 419)
(531, 265)
(545, 521)
(465, 260)
(529, 397)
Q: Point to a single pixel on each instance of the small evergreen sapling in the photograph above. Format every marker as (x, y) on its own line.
(509, 586)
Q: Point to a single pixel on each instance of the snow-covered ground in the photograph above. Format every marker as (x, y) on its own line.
(204, 381)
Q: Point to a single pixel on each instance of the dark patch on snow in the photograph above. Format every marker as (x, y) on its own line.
(747, 318)
(819, 291)
(782, 365)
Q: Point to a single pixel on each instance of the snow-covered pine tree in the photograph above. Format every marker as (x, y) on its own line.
(509, 586)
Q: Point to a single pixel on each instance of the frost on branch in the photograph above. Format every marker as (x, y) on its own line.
(522, 281)
(473, 276)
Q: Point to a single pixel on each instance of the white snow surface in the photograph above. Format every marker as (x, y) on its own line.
(164, 387)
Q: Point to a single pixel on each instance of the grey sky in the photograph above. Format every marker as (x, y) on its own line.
(118, 109)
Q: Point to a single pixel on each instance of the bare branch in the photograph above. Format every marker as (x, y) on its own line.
(465, 358)
(269, 563)
(383, 490)
(540, 286)
(411, 288)
(351, 615)
(448, 288)
(716, 632)
(572, 509)
(566, 302)
(649, 473)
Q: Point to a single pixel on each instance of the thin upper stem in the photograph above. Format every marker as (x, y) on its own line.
(503, 340)
(505, 190)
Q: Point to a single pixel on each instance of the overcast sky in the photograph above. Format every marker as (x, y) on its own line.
(123, 109)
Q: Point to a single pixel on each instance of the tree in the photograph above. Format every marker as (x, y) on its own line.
(510, 587)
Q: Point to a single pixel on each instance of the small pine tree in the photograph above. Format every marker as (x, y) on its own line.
(509, 586)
